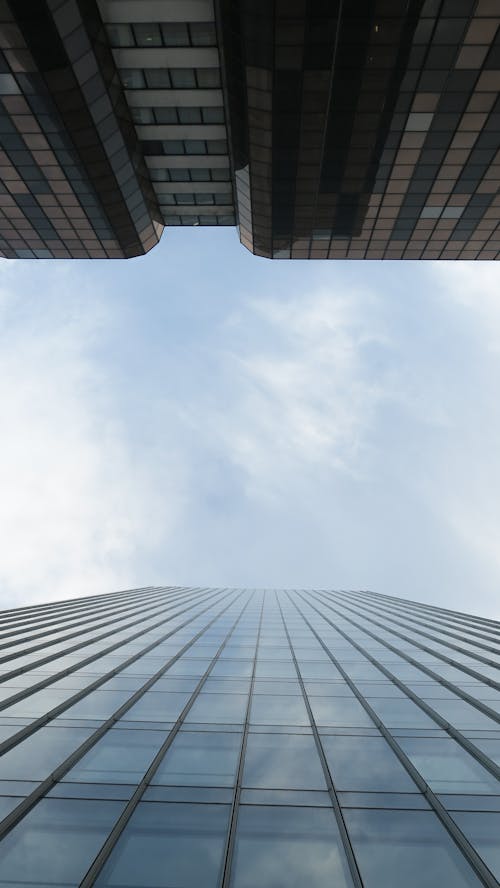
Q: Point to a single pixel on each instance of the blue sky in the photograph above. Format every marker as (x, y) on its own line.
(201, 416)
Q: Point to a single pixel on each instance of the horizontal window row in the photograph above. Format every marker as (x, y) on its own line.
(152, 147)
(193, 174)
(170, 78)
(162, 34)
(218, 198)
(164, 115)
(171, 219)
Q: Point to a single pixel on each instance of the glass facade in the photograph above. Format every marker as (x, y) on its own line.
(176, 737)
(327, 130)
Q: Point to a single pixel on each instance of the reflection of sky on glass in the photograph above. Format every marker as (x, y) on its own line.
(200, 415)
(406, 848)
(288, 848)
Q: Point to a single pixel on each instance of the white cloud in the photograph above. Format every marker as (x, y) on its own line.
(303, 397)
(75, 505)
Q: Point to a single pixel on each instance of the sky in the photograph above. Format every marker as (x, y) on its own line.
(201, 416)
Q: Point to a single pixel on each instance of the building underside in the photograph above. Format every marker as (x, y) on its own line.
(319, 128)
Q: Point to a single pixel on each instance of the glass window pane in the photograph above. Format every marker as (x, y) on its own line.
(208, 78)
(217, 708)
(406, 848)
(56, 842)
(175, 34)
(147, 35)
(183, 78)
(157, 706)
(285, 710)
(166, 115)
(190, 115)
(278, 847)
(121, 756)
(168, 845)
(203, 33)
(483, 832)
(199, 758)
(365, 764)
(282, 761)
(338, 711)
(37, 756)
(447, 767)
(401, 713)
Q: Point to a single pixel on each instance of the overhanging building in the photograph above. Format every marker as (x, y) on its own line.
(320, 128)
(186, 737)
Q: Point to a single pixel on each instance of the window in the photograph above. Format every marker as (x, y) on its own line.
(365, 764)
(184, 841)
(270, 710)
(338, 711)
(218, 708)
(200, 758)
(56, 841)
(446, 766)
(157, 706)
(37, 756)
(120, 756)
(281, 847)
(282, 761)
(406, 848)
(483, 831)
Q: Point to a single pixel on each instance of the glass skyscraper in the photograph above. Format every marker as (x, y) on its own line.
(214, 737)
(326, 129)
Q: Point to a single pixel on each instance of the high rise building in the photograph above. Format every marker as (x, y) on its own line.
(186, 737)
(321, 128)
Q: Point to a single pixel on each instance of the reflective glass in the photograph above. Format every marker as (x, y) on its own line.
(282, 761)
(288, 847)
(169, 846)
(218, 708)
(198, 758)
(483, 832)
(406, 848)
(273, 710)
(446, 767)
(120, 756)
(339, 711)
(365, 764)
(56, 841)
(37, 756)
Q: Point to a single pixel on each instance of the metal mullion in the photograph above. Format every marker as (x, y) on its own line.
(68, 604)
(470, 634)
(426, 670)
(21, 670)
(227, 856)
(115, 834)
(446, 612)
(441, 641)
(42, 720)
(7, 658)
(454, 732)
(30, 801)
(332, 792)
(461, 666)
(50, 627)
(445, 682)
(468, 851)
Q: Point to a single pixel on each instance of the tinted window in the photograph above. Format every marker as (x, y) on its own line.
(406, 848)
(200, 759)
(288, 848)
(365, 764)
(282, 761)
(168, 845)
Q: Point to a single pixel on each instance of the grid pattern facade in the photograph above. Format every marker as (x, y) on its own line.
(168, 59)
(180, 737)
(323, 129)
(366, 130)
